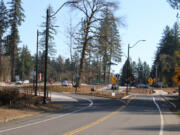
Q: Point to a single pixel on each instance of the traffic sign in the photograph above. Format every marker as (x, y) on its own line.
(176, 79)
(150, 81)
(113, 80)
(177, 69)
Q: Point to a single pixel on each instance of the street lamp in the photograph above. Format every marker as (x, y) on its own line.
(129, 47)
(48, 17)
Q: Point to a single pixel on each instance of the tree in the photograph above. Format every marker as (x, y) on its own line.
(127, 73)
(16, 17)
(174, 3)
(166, 55)
(143, 72)
(25, 63)
(90, 10)
(51, 33)
(3, 23)
(109, 40)
(3, 28)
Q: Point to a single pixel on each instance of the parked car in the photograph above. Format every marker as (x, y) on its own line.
(142, 86)
(158, 85)
(26, 82)
(19, 82)
(65, 83)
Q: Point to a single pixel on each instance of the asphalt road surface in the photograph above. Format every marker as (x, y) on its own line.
(136, 115)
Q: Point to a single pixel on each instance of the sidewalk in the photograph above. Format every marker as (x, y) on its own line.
(59, 97)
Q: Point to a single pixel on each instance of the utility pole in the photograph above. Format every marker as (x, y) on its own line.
(156, 73)
(46, 54)
(128, 62)
(37, 63)
(127, 71)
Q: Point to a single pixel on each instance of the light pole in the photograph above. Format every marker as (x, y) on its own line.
(48, 17)
(129, 47)
(37, 62)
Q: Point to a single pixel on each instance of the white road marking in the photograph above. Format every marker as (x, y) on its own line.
(168, 101)
(161, 116)
(52, 118)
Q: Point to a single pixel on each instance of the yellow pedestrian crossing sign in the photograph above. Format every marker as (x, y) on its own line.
(113, 80)
(176, 79)
(150, 81)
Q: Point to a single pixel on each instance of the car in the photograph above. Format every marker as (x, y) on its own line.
(19, 82)
(158, 85)
(65, 83)
(26, 82)
(142, 85)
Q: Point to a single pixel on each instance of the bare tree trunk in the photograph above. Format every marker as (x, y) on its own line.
(82, 62)
(13, 58)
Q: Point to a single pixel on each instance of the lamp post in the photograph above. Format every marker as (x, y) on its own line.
(129, 47)
(48, 17)
(37, 62)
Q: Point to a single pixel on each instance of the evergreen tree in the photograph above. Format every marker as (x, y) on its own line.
(52, 32)
(127, 75)
(25, 63)
(3, 23)
(16, 17)
(91, 10)
(174, 3)
(3, 28)
(167, 55)
(109, 40)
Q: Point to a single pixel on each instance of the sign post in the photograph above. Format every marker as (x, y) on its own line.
(150, 81)
(113, 85)
(176, 79)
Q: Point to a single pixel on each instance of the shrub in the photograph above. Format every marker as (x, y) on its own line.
(8, 95)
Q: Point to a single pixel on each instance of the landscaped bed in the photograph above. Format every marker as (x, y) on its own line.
(15, 104)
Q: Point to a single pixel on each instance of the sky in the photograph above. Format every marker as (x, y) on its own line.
(143, 19)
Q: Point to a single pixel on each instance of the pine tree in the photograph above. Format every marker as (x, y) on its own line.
(127, 73)
(3, 28)
(3, 23)
(174, 3)
(91, 10)
(109, 40)
(166, 55)
(25, 63)
(16, 16)
(52, 32)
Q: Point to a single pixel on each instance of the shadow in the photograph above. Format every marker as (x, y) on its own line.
(170, 128)
(142, 104)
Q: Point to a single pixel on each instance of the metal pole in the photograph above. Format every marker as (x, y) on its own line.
(46, 55)
(37, 63)
(127, 70)
(156, 73)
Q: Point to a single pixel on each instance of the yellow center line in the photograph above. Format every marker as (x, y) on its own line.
(95, 122)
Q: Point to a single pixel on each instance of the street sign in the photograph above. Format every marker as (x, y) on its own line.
(113, 80)
(176, 79)
(150, 81)
(177, 69)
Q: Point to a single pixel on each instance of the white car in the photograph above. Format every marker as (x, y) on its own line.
(26, 82)
(19, 82)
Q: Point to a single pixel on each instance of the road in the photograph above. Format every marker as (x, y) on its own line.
(137, 115)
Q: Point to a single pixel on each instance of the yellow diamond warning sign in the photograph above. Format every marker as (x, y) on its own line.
(150, 81)
(176, 79)
(113, 80)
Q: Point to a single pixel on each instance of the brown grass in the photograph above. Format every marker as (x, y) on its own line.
(8, 114)
(141, 91)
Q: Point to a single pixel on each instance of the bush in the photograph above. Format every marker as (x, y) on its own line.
(8, 95)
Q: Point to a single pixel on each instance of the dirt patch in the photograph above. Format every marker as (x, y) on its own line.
(141, 91)
(171, 90)
(87, 90)
(8, 114)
